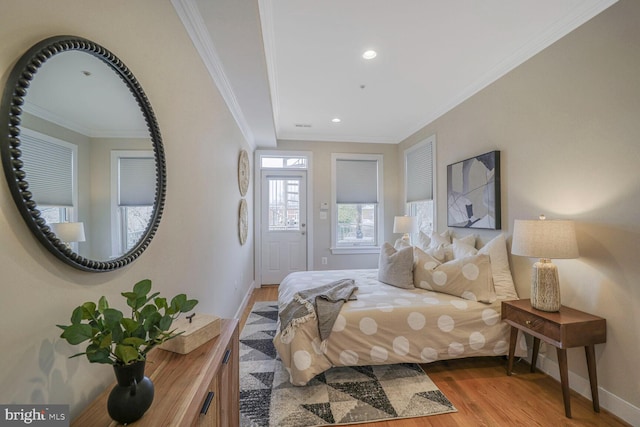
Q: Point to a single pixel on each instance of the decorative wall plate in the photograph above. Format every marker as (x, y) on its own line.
(243, 221)
(243, 172)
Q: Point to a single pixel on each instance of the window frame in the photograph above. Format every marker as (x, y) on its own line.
(374, 248)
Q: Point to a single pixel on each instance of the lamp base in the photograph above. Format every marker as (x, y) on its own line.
(545, 288)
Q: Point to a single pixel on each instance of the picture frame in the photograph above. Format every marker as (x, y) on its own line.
(473, 192)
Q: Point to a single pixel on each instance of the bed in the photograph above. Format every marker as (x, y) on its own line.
(388, 324)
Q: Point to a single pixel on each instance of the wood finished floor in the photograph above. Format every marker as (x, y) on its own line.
(485, 396)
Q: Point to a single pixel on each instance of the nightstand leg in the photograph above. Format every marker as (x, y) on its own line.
(564, 379)
(590, 351)
(513, 338)
(534, 356)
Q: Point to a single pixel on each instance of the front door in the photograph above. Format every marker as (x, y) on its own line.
(284, 224)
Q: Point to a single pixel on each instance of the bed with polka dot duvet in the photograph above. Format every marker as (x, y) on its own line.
(387, 325)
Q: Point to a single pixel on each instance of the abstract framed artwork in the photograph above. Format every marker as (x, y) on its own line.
(473, 192)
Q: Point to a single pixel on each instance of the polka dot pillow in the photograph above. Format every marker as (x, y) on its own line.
(468, 277)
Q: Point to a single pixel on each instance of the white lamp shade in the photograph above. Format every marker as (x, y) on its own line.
(405, 224)
(69, 231)
(547, 239)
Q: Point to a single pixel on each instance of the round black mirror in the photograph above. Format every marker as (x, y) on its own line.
(82, 153)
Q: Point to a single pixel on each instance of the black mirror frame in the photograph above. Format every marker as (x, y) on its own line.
(10, 111)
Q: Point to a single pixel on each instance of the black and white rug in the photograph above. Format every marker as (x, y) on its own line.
(338, 396)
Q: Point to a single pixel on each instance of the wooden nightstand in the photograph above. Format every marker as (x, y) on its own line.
(563, 329)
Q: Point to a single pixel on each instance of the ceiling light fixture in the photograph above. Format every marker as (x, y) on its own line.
(336, 120)
(369, 54)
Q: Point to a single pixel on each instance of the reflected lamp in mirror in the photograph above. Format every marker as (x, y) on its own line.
(546, 240)
(69, 232)
(405, 225)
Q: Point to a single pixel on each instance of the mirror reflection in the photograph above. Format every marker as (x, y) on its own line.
(88, 156)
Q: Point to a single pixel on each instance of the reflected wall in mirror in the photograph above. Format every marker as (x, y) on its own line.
(81, 145)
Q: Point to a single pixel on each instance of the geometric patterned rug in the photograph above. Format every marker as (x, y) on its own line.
(346, 395)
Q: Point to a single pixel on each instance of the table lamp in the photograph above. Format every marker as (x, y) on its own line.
(546, 240)
(69, 232)
(406, 225)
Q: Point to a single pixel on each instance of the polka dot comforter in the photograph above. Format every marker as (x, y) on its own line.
(387, 325)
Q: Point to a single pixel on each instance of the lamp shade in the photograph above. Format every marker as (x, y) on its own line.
(405, 224)
(69, 231)
(547, 239)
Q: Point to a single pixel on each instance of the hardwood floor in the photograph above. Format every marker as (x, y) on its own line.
(485, 396)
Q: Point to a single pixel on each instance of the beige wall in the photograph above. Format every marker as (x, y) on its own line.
(196, 249)
(322, 193)
(568, 125)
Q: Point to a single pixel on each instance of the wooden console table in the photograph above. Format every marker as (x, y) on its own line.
(196, 389)
(563, 329)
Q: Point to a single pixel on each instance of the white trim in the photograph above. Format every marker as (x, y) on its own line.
(368, 249)
(614, 404)
(245, 301)
(192, 20)
(257, 226)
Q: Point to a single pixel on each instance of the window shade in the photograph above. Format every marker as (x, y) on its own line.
(137, 183)
(356, 181)
(419, 170)
(49, 169)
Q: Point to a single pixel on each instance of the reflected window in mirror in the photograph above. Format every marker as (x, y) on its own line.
(72, 89)
(133, 182)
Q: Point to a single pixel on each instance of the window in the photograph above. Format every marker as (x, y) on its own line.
(357, 203)
(55, 186)
(134, 190)
(284, 204)
(419, 183)
(283, 162)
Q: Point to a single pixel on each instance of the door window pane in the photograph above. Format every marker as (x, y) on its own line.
(284, 204)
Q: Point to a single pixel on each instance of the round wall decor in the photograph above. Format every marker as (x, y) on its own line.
(243, 221)
(243, 172)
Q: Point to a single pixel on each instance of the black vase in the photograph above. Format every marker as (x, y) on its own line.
(132, 396)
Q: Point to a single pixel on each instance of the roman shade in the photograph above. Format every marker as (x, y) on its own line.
(356, 181)
(137, 183)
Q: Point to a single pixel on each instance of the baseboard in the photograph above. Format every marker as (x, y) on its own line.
(609, 401)
(245, 301)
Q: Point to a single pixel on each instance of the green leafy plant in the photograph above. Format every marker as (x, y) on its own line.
(119, 340)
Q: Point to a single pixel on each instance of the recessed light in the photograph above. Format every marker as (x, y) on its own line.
(336, 120)
(370, 54)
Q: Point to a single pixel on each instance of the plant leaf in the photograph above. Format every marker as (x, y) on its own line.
(133, 341)
(112, 318)
(130, 325)
(102, 304)
(152, 321)
(126, 353)
(188, 305)
(148, 310)
(76, 316)
(165, 322)
(78, 333)
(142, 288)
(161, 302)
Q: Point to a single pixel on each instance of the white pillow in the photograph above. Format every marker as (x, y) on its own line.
(468, 278)
(469, 240)
(423, 241)
(395, 267)
(462, 249)
(502, 280)
(439, 239)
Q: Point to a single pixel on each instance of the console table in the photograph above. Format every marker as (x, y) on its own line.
(562, 329)
(195, 389)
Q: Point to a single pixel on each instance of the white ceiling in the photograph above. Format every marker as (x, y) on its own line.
(287, 67)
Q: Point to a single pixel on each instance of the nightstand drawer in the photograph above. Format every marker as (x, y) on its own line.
(535, 324)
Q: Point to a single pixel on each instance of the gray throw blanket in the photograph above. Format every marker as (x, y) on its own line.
(322, 303)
